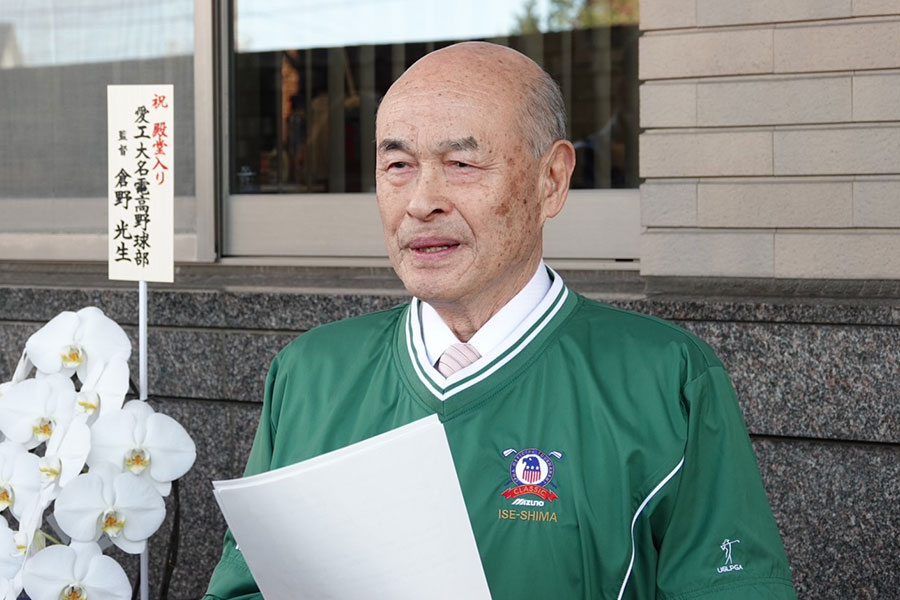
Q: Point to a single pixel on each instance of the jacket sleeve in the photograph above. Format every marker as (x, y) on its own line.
(715, 533)
(231, 579)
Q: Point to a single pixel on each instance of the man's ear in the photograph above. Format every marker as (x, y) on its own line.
(556, 172)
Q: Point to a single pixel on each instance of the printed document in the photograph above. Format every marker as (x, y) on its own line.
(382, 518)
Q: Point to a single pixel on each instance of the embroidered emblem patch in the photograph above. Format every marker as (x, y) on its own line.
(530, 473)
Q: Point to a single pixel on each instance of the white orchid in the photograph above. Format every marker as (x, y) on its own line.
(77, 342)
(149, 444)
(64, 458)
(123, 506)
(75, 572)
(12, 550)
(138, 455)
(20, 479)
(104, 390)
(32, 409)
(23, 368)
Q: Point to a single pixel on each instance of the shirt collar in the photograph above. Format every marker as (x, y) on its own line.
(437, 336)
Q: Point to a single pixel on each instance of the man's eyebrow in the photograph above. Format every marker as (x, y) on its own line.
(389, 144)
(457, 144)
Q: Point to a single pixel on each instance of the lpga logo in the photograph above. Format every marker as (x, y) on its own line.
(729, 562)
(530, 472)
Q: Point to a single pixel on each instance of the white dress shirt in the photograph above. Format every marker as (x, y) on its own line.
(437, 336)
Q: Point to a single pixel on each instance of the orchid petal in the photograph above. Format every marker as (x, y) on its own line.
(79, 506)
(163, 487)
(20, 407)
(62, 400)
(106, 580)
(73, 451)
(85, 552)
(46, 345)
(18, 476)
(107, 474)
(34, 403)
(8, 453)
(112, 385)
(102, 339)
(172, 451)
(8, 590)
(48, 572)
(49, 494)
(141, 505)
(62, 388)
(129, 546)
(23, 368)
(111, 437)
(30, 521)
(26, 483)
(10, 558)
(140, 409)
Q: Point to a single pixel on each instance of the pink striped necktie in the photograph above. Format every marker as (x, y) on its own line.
(456, 357)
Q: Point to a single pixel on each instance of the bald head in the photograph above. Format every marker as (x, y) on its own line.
(507, 73)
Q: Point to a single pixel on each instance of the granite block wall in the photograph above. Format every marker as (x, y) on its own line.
(817, 377)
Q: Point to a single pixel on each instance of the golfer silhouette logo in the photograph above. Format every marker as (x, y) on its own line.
(729, 560)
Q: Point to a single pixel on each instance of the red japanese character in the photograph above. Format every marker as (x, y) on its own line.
(159, 100)
(159, 146)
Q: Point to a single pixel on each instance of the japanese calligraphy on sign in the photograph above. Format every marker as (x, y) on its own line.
(141, 177)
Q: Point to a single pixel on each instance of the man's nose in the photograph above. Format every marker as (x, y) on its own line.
(430, 194)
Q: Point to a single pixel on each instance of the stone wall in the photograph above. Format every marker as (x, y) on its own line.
(817, 379)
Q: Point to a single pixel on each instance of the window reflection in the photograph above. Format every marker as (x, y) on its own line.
(56, 59)
(303, 117)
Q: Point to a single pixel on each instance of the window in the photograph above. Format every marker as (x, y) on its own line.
(55, 63)
(274, 118)
(306, 80)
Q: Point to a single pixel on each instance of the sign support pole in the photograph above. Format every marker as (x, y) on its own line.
(140, 219)
(142, 358)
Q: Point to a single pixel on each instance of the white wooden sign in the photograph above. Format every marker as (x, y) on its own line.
(141, 135)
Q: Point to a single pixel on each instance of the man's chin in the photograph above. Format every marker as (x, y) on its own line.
(431, 287)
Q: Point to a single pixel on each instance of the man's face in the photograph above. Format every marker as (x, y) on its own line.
(457, 189)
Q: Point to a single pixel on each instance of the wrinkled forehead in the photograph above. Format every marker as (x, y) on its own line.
(446, 122)
(450, 106)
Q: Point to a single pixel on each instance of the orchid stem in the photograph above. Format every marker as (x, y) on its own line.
(50, 537)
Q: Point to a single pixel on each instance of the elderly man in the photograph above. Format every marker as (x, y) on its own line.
(601, 453)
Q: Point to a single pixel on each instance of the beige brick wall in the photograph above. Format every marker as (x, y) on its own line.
(771, 138)
(694, 153)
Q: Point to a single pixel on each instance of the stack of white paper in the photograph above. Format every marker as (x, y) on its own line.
(383, 518)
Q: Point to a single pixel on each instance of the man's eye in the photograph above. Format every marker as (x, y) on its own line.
(460, 164)
(397, 165)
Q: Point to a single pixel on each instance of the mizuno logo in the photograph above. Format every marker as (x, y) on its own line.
(526, 502)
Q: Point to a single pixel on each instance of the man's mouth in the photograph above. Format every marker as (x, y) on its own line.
(432, 246)
(432, 249)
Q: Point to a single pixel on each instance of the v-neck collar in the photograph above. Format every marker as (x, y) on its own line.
(438, 336)
(449, 395)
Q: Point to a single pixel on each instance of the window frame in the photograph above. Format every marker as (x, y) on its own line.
(596, 229)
